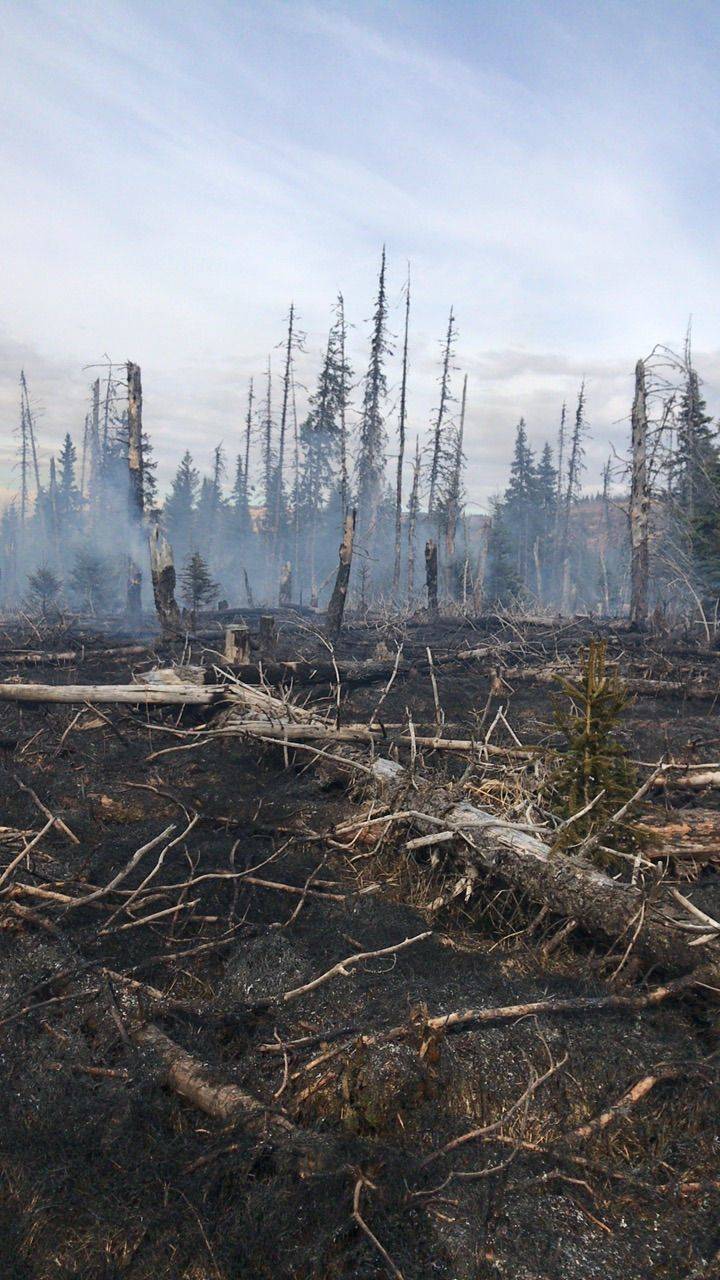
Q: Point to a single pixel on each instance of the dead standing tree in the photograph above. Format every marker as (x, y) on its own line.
(454, 494)
(575, 468)
(401, 449)
(373, 437)
(162, 567)
(639, 504)
(413, 508)
(440, 417)
(431, 576)
(135, 492)
(336, 607)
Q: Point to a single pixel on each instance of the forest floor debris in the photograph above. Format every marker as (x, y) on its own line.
(231, 1013)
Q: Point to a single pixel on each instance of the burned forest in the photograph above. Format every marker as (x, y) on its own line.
(360, 853)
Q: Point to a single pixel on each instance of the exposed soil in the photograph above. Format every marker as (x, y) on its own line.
(107, 1172)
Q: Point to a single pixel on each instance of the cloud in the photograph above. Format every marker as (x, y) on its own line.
(179, 175)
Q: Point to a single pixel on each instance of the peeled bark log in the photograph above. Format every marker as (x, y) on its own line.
(129, 694)
(336, 607)
(162, 567)
(189, 1078)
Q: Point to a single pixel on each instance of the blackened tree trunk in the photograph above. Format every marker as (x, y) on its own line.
(135, 475)
(437, 446)
(285, 591)
(401, 450)
(454, 496)
(336, 607)
(431, 576)
(246, 466)
(413, 508)
(135, 457)
(575, 465)
(639, 504)
(343, 393)
(279, 495)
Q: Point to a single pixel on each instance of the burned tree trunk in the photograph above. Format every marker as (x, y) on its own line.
(336, 607)
(285, 592)
(401, 450)
(454, 497)
(162, 568)
(431, 576)
(135, 476)
(268, 635)
(413, 509)
(639, 504)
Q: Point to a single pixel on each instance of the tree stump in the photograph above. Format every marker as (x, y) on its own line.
(237, 644)
(162, 568)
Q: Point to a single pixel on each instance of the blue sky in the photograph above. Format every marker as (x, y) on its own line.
(175, 174)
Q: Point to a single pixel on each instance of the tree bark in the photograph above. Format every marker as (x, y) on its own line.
(285, 592)
(401, 451)
(431, 576)
(132, 694)
(616, 911)
(135, 475)
(237, 644)
(268, 635)
(639, 504)
(336, 607)
(162, 567)
(190, 1079)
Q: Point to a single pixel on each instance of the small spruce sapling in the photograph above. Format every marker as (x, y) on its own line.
(93, 579)
(44, 588)
(594, 766)
(197, 586)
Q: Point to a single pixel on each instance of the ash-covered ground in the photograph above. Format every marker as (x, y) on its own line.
(346, 1169)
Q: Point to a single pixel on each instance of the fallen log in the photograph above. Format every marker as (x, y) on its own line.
(693, 780)
(40, 658)
(190, 1079)
(131, 694)
(614, 910)
(641, 686)
(683, 835)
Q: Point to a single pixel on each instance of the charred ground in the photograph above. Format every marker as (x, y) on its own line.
(107, 1172)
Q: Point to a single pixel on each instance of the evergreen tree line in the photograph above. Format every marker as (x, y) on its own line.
(267, 519)
(551, 544)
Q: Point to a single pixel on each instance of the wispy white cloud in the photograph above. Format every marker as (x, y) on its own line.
(179, 173)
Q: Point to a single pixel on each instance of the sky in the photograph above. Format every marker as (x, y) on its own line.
(174, 175)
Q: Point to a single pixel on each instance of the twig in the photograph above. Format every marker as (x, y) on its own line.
(58, 822)
(487, 1130)
(343, 966)
(121, 875)
(358, 1218)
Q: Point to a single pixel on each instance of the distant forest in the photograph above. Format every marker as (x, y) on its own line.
(264, 526)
